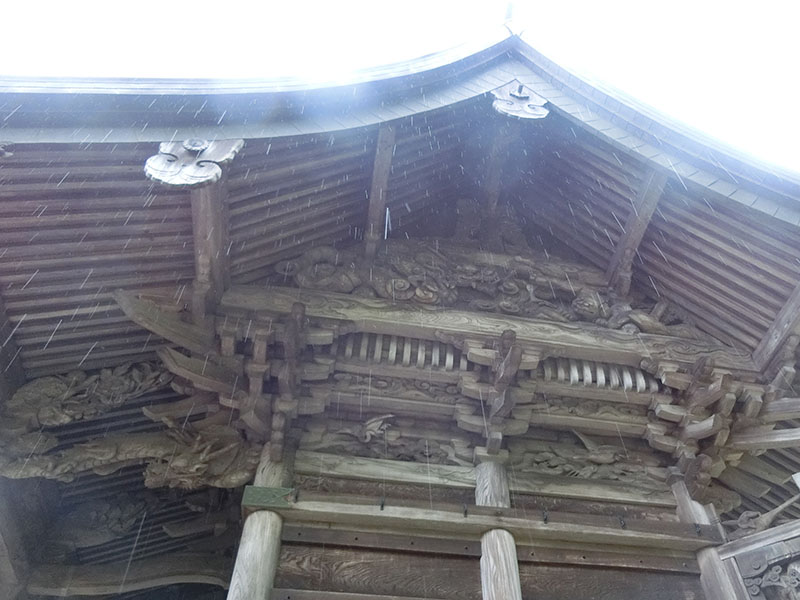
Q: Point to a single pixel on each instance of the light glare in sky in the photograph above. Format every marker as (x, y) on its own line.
(725, 68)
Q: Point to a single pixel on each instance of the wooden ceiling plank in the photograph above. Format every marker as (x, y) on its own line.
(619, 268)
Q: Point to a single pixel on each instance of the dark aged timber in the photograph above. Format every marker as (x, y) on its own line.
(467, 329)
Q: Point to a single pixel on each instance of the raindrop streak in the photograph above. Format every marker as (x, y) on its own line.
(133, 549)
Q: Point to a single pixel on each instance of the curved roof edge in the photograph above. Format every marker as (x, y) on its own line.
(166, 86)
(148, 111)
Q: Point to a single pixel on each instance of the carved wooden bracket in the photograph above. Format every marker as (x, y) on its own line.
(515, 100)
(191, 163)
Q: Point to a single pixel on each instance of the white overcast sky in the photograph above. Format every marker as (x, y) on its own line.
(729, 68)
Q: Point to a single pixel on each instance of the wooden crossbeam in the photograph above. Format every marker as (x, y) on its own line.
(381, 169)
(780, 410)
(765, 440)
(569, 527)
(558, 339)
(392, 471)
(644, 205)
(787, 321)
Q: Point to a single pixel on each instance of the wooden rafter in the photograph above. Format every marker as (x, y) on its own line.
(381, 170)
(644, 205)
(787, 321)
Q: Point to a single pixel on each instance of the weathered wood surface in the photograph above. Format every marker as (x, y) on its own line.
(491, 485)
(121, 577)
(419, 519)
(719, 578)
(499, 569)
(376, 469)
(643, 207)
(533, 551)
(582, 341)
(284, 594)
(764, 440)
(787, 320)
(568, 583)
(259, 548)
(378, 189)
(257, 557)
(166, 325)
(378, 572)
(211, 257)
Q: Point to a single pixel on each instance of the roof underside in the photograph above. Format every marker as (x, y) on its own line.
(78, 218)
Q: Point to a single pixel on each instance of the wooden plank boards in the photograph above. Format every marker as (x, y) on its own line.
(559, 339)
(536, 551)
(555, 582)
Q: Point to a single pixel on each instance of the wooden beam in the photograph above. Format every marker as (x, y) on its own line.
(381, 169)
(764, 440)
(211, 257)
(787, 321)
(165, 324)
(579, 341)
(393, 471)
(535, 551)
(121, 577)
(619, 269)
(370, 515)
(780, 410)
(285, 594)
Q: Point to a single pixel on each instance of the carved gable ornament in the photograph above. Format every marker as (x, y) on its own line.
(516, 100)
(193, 162)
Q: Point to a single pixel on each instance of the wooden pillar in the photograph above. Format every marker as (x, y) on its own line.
(260, 545)
(499, 568)
(719, 578)
(376, 213)
(198, 165)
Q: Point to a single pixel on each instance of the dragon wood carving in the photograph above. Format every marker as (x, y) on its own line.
(430, 274)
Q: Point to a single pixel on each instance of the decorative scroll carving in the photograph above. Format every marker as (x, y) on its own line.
(516, 100)
(412, 389)
(378, 437)
(192, 162)
(593, 460)
(780, 582)
(60, 399)
(446, 275)
(184, 457)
